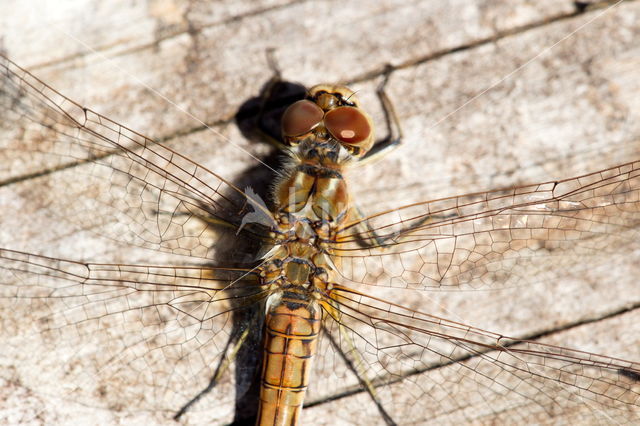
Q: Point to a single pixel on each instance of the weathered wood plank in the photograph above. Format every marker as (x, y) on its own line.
(224, 62)
(570, 111)
(44, 33)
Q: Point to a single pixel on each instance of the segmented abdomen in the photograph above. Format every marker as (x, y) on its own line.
(293, 323)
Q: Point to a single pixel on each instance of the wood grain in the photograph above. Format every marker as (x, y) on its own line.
(490, 94)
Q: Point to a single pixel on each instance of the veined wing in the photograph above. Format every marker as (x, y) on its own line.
(496, 238)
(424, 368)
(104, 175)
(162, 331)
(126, 337)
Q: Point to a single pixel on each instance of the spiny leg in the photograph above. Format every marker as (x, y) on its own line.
(365, 234)
(331, 306)
(366, 237)
(394, 131)
(231, 352)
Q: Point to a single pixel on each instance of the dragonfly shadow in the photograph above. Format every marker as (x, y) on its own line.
(258, 119)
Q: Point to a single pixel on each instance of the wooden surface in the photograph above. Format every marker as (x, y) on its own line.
(490, 94)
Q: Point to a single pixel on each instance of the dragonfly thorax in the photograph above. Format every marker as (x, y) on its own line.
(296, 263)
(313, 192)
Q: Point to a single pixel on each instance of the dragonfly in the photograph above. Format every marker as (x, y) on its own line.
(189, 327)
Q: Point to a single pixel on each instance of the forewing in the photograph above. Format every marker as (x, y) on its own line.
(95, 174)
(499, 238)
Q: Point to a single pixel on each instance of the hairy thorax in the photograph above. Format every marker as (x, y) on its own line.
(324, 135)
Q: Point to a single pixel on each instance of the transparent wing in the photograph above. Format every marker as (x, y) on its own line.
(126, 337)
(106, 178)
(423, 368)
(496, 238)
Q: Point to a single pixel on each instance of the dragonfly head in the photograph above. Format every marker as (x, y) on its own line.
(329, 112)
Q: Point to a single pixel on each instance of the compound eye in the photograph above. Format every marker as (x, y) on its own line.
(300, 118)
(347, 124)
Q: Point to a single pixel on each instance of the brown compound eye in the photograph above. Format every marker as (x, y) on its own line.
(300, 118)
(347, 124)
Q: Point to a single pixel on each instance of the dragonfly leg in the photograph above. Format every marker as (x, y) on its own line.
(394, 131)
(367, 237)
(353, 358)
(231, 352)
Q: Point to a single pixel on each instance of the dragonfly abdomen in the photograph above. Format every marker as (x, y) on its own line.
(293, 323)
